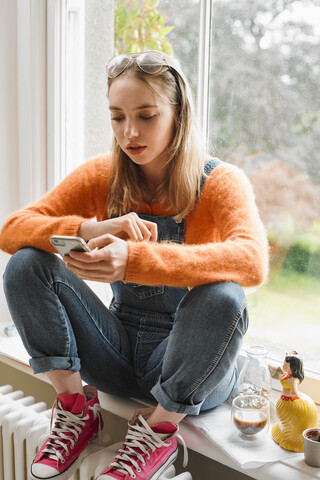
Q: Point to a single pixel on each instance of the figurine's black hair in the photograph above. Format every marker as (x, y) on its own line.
(296, 365)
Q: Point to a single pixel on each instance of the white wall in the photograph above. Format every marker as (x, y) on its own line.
(9, 172)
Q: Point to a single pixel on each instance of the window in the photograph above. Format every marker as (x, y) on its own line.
(264, 116)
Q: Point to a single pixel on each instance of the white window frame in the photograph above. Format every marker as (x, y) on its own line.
(65, 83)
(31, 55)
(204, 55)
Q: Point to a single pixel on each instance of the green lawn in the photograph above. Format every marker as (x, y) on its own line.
(285, 315)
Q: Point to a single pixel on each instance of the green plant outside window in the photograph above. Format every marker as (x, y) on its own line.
(139, 26)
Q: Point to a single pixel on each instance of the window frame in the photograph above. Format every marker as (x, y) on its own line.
(204, 56)
(65, 60)
(31, 94)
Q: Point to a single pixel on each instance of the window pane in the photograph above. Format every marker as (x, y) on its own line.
(265, 117)
(184, 38)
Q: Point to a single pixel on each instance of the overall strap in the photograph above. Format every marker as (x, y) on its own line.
(209, 166)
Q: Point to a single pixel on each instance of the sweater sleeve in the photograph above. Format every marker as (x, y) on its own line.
(240, 255)
(59, 212)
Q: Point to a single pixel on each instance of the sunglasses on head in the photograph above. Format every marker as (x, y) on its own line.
(149, 62)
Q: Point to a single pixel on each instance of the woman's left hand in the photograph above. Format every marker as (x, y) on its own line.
(107, 262)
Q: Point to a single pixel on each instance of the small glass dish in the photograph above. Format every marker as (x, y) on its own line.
(251, 414)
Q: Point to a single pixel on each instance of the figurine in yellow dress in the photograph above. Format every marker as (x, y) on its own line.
(296, 411)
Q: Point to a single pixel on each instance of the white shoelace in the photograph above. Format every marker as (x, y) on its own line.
(143, 438)
(66, 422)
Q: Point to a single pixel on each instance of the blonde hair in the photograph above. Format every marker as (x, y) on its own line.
(186, 151)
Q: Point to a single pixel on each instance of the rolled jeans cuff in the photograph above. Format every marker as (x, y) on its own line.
(168, 404)
(48, 364)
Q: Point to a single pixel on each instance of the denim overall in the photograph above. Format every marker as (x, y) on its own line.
(170, 345)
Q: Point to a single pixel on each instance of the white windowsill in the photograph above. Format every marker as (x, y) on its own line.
(13, 354)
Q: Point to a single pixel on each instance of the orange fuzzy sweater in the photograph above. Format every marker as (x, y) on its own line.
(224, 237)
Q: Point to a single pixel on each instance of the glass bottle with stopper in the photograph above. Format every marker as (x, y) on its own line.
(255, 378)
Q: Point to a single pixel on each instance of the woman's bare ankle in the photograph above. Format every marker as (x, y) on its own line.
(65, 381)
(161, 415)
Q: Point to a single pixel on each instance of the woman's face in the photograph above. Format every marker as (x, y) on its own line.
(142, 122)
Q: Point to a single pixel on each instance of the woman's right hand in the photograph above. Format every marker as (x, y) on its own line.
(127, 227)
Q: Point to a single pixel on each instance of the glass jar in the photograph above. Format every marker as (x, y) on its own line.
(255, 378)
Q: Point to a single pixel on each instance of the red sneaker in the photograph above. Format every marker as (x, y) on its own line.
(78, 420)
(146, 453)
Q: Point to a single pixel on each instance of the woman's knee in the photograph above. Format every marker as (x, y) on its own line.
(229, 300)
(218, 295)
(21, 265)
(209, 308)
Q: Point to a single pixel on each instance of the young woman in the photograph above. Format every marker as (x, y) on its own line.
(177, 236)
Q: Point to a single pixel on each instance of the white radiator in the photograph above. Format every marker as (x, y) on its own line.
(24, 425)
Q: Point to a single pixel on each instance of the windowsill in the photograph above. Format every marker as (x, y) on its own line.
(13, 354)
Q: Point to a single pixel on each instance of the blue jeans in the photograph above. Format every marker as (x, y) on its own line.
(185, 360)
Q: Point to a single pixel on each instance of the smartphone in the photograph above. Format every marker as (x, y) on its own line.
(64, 244)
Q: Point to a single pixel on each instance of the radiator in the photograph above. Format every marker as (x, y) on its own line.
(24, 425)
